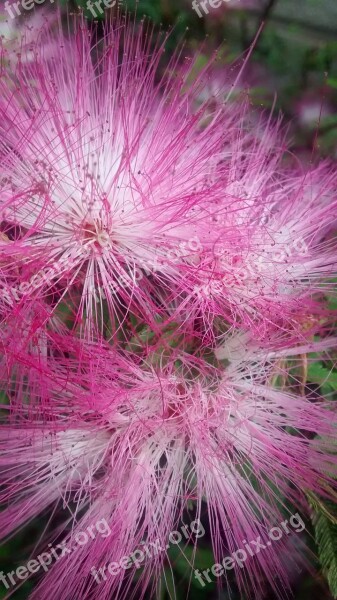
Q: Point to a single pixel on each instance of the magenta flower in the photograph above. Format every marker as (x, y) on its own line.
(18, 37)
(161, 270)
(131, 444)
(113, 188)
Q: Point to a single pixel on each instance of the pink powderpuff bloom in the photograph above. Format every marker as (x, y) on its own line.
(126, 198)
(119, 176)
(18, 37)
(312, 109)
(130, 443)
(159, 227)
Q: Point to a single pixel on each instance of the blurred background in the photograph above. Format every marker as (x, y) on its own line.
(293, 67)
(294, 60)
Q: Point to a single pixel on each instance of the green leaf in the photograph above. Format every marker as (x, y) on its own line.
(168, 587)
(332, 82)
(184, 560)
(3, 398)
(317, 373)
(147, 7)
(332, 303)
(326, 540)
(322, 507)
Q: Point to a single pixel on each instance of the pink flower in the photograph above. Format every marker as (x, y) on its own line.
(120, 192)
(130, 444)
(99, 168)
(312, 110)
(17, 39)
(160, 268)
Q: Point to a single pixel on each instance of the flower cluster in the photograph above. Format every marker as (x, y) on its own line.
(144, 374)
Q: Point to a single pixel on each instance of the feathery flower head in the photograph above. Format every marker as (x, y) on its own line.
(18, 37)
(165, 267)
(116, 187)
(131, 442)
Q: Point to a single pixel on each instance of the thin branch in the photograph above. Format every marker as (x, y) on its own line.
(264, 17)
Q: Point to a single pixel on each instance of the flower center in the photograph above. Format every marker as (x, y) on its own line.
(95, 236)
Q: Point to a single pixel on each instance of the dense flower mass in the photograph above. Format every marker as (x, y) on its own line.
(163, 266)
